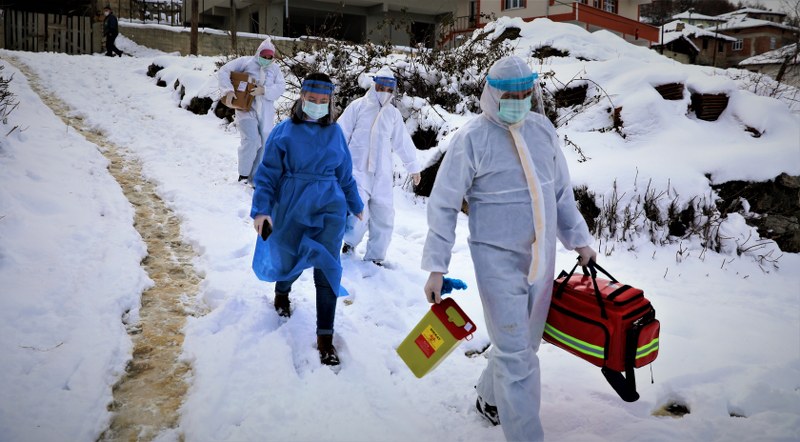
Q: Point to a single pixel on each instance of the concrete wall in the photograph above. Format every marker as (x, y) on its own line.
(677, 56)
(210, 42)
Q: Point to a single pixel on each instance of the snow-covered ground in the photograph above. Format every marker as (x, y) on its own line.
(69, 270)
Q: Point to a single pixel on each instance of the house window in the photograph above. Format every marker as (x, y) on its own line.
(773, 43)
(738, 44)
(610, 6)
(513, 4)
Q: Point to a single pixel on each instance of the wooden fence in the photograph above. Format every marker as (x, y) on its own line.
(38, 32)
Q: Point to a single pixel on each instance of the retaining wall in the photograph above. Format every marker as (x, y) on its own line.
(210, 42)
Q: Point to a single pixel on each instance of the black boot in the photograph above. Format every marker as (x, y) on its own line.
(327, 352)
(282, 304)
(489, 412)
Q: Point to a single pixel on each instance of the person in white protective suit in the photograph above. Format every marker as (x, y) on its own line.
(508, 165)
(374, 128)
(256, 123)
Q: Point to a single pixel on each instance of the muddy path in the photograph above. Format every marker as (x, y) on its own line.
(150, 392)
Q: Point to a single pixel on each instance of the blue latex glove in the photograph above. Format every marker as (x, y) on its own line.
(448, 284)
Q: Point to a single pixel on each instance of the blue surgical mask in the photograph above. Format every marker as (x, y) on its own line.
(513, 111)
(263, 62)
(314, 110)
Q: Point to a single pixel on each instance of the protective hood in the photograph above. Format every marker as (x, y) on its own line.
(266, 44)
(385, 72)
(513, 74)
(503, 73)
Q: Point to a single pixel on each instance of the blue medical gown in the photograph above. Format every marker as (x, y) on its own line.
(305, 183)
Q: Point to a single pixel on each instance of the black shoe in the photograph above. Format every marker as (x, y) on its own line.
(283, 305)
(489, 412)
(378, 262)
(243, 178)
(327, 352)
(347, 249)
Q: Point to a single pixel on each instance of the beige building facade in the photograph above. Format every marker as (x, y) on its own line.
(618, 16)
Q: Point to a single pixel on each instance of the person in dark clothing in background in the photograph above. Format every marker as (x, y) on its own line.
(110, 32)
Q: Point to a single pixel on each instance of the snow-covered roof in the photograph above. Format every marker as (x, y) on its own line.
(669, 38)
(743, 11)
(773, 57)
(743, 22)
(671, 32)
(686, 15)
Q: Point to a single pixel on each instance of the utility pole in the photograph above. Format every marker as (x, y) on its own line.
(663, 14)
(234, 46)
(716, 45)
(195, 20)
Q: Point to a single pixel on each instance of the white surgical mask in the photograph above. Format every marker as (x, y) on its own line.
(314, 110)
(512, 110)
(106, 13)
(264, 63)
(384, 97)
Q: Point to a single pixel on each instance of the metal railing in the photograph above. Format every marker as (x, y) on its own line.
(450, 30)
(168, 12)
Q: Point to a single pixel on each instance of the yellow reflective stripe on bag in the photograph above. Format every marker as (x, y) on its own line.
(647, 349)
(574, 343)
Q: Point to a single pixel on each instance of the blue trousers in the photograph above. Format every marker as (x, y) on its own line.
(326, 300)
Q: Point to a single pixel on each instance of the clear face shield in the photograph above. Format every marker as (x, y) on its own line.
(384, 87)
(537, 101)
(517, 96)
(313, 96)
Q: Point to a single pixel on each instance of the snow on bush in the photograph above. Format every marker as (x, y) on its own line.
(642, 165)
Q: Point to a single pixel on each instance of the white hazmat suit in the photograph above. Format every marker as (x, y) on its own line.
(374, 128)
(255, 124)
(483, 164)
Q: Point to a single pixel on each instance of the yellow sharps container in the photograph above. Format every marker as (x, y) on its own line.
(435, 336)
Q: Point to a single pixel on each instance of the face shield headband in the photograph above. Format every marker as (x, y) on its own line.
(386, 82)
(317, 87)
(513, 84)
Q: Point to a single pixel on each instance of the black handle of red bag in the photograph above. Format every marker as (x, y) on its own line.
(625, 386)
(595, 265)
(590, 270)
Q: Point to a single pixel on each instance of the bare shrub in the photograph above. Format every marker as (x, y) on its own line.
(8, 101)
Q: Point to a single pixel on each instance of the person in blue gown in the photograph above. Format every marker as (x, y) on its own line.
(304, 189)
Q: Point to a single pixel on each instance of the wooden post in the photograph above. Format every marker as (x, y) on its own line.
(232, 18)
(193, 35)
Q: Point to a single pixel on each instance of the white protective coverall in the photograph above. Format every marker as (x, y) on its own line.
(373, 130)
(255, 124)
(483, 165)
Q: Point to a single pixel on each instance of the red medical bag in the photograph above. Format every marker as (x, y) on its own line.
(609, 324)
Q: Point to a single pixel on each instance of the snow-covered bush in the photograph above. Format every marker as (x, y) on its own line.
(450, 79)
(643, 164)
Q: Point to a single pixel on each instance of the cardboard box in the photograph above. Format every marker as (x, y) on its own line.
(435, 337)
(241, 88)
